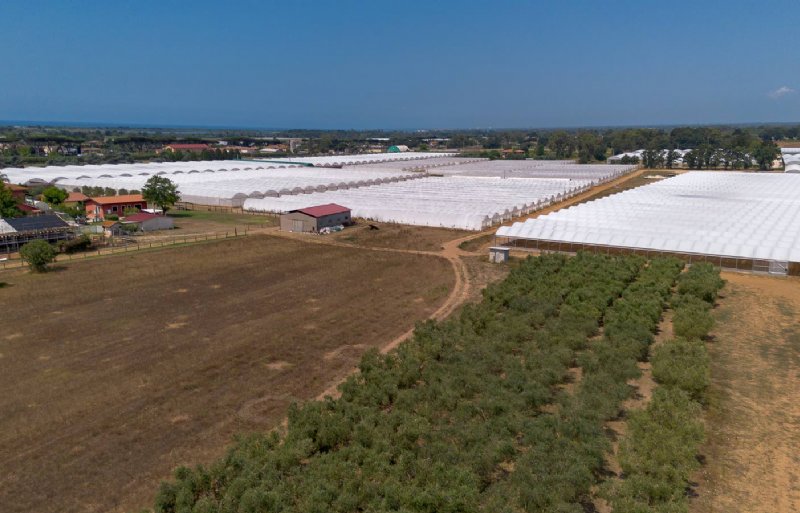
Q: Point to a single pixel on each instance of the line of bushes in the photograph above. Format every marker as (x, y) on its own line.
(559, 468)
(659, 452)
(461, 418)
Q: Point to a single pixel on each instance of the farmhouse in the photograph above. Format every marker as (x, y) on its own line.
(147, 222)
(313, 219)
(98, 208)
(76, 198)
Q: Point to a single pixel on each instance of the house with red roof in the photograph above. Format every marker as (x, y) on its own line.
(18, 191)
(313, 219)
(76, 198)
(99, 207)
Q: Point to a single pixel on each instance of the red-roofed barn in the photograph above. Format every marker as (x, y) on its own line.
(313, 219)
(147, 222)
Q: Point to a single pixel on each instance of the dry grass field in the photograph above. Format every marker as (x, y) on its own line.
(116, 370)
(752, 452)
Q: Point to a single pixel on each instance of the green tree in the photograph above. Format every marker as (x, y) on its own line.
(54, 196)
(764, 153)
(161, 191)
(38, 254)
(8, 203)
(563, 144)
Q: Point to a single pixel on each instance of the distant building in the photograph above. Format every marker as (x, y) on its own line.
(98, 208)
(18, 191)
(313, 219)
(398, 148)
(185, 147)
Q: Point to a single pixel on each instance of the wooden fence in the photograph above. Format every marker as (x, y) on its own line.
(14, 262)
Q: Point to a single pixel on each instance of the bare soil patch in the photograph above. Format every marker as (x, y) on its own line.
(398, 236)
(158, 358)
(752, 451)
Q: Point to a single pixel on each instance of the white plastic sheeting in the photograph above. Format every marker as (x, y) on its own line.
(366, 158)
(5, 227)
(231, 188)
(468, 203)
(431, 164)
(791, 159)
(58, 174)
(538, 169)
(743, 215)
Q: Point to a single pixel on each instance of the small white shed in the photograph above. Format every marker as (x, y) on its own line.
(498, 254)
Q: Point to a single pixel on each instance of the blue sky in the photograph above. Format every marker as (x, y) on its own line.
(435, 64)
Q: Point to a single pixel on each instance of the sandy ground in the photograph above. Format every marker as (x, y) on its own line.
(752, 451)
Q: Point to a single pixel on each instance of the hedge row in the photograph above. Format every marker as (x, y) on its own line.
(557, 471)
(658, 454)
(461, 418)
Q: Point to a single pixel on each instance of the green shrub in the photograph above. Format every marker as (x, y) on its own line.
(38, 254)
(683, 364)
(658, 453)
(702, 280)
(692, 321)
(75, 245)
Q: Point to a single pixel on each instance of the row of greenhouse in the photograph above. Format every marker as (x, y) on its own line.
(739, 220)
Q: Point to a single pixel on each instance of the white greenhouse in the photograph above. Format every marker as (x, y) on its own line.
(744, 221)
(469, 203)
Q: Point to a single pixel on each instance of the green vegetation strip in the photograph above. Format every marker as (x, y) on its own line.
(659, 452)
(468, 415)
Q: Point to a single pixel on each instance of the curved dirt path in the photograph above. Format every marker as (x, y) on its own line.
(457, 297)
(450, 251)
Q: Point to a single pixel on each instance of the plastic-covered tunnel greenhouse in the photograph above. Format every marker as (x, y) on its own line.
(468, 203)
(743, 221)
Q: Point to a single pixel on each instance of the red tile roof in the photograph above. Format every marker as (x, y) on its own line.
(75, 197)
(24, 207)
(323, 210)
(113, 200)
(138, 218)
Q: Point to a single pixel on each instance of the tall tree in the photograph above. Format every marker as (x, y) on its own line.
(54, 196)
(8, 203)
(764, 153)
(161, 191)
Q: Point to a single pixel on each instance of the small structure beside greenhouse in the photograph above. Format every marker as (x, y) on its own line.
(314, 219)
(147, 222)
